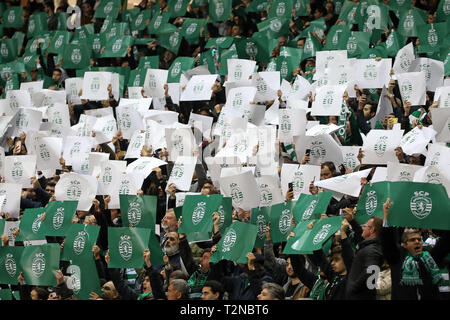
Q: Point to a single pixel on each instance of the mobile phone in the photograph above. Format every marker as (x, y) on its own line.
(394, 120)
(290, 186)
(213, 52)
(308, 152)
(342, 169)
(342, 212)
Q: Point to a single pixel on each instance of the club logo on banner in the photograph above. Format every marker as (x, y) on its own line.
(266, 194)
(36, 225)
(73, 192)
(405, 61)
(433, 178)
(281, 9)
(107, 176)
(309, 211)
(221, 213)
(10, 265)
(38, 265)
(236, 193)
(43, 152)
(17, 171)
(174, 38)
(125, 247)
(421, 204)
(178, 5)
(198, 87)
(58, 218)
(241, 146)
(261, 85)
(349, 160)
(191, 29)
(80, 242)
(261, 223)
(117, 45)
(108, 8)
(446, 7)
(31, 26)
(4, 50)
(176, 69)
(75, 278)
(275, 25)
(285, 123)
(134, 213)
(76, 56)
(370, 73)
(406, 89)
(371, 202)
(322, 234)
(251, 49)
(352, 44)
(380, 146)
(229, 240)
(405, 176)
(11, 16)
(199, 213)
(285, 221)
(177, 171)
(432, 37)
(317, 150)
(408, 24)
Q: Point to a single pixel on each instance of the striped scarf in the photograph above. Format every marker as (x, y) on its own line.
(410, 273)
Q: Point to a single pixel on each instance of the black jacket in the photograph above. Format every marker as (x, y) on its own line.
(395, 255)
(368, 254)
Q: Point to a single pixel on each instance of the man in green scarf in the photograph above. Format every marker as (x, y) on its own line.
(415, 272)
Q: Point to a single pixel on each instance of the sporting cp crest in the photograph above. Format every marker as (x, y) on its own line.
(371, 202)
(229, 240)
(10, 265)
(38, 265)
(322, 234)
(125, 247)
(285, 221)
(58, 218)
(198, 213)
(134, 214)
(309, 211)
(80, 242)
(421, 204)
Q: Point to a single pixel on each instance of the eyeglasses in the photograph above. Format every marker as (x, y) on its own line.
(106, 288)
(414, 239)
(366, 226)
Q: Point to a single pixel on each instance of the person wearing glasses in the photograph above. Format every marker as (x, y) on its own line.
(414, 271)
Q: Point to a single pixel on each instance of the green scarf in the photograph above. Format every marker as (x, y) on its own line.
(410, 273)
(145, 295)
(318, 290)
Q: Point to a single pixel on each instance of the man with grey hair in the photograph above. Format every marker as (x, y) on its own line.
(178, 290)
(271, 291)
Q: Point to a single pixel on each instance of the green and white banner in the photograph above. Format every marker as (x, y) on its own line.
(281, 221)
(138, 211)
(177, 8)
(301, 233)
(80, 238)
(219, 10)
(309, 207)
(108, 8)
(10, 267)
(20, 169)
(225, 212)
(12, 18)
(58, 217)
(36, 24)
(39, 264)
(76, 56)
(197, 215)
(8, 50)
(117, 46)
(177, 67)
(260, 218)
(31, 227)
(83, 278)
(236, 242)
(379, 146)
(127, 246)
(370, 204)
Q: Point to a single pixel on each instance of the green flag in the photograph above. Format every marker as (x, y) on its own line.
(117, 29)
(31, 225)
(311, 206)
(36, 24)
(432, 37)
(127, 246)
(445, 57)
(372, 53)
(370, 204)
(219, 10)
(76, 56)
(372, 15)
(62, 21)
(12, 18)
(58, 217)
(318, 26)
(98, 41)
(156, 253)
(258, 47)
(419, 205)
(357, 43)
(191, 29)
(107, 8)
(10, 68)
(337, 38)
(157, 22)
(83, 32)
(312, 45)
(20, 37)
(80, 238)
(288, 61)
(197, 215)
(410, 22)
(149, 62)
(12, 84)
(222, 42)
(117, 46)
(139, 22)
(274, 27)
(39, 264)
(59, 41)
(394, 42)
(301, 233)
(395, 5)
(137, 77)
(225, 212)
(260, 218)
(257, 6)
(281, 221)
(10, 267)
(348, 12)
(138, 211)
(5, 294)
(281, 9)
(177, 67)
(171, 40)
(84, 278)
(237, 241)
(130, 15)
(206, 59)
(301, 7)
(177, 8)
(322, 230)
(8, 50)
(443, 11)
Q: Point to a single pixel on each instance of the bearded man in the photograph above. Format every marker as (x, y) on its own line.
(177, 249)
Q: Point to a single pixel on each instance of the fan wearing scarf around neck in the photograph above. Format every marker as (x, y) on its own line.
(415, 272)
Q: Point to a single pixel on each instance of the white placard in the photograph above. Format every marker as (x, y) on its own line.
(202, 123)
(162, 117)
(59, 114)
(438, 155)
(215, 165)
(403, 59)
(413, 87)
(444, 97)
(240, 69)
(80, 163)
(288, 171)
(319, 129)
(20, 169)
(48, 98)
(27, 120)
(199, 88)
(267, 84)
(325, 59)
(96, 160)
(129, 183)
(350, 155)
(74, 146)
(433, 174)
(238, 98)
(109, 180)
(105, 129)
(255, 113)
(154, 135)
(48, 152)
(99, 113)
(300, 89)
(379, 175)
(303, 176)
(95, 85)
(240, 144)
(434, 71)
(441, 121)
(135, 93)
(379, 146)
(137, 142)
(371, 73)
(144, 166)
(322, 148)
(129, 120)
(19, 98)
(328, 101)
(349, 184)
(2, 162)
(72, 88)
(155, 79)
(292, 123)
(11, 203)
(182, 172)
(384, 108)
(271, 115)
(416, 140)
(77, 187)
(269, 190)
(33, 86)
(401, 171)
(243, 190)
(10, 228)
(180, 142)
